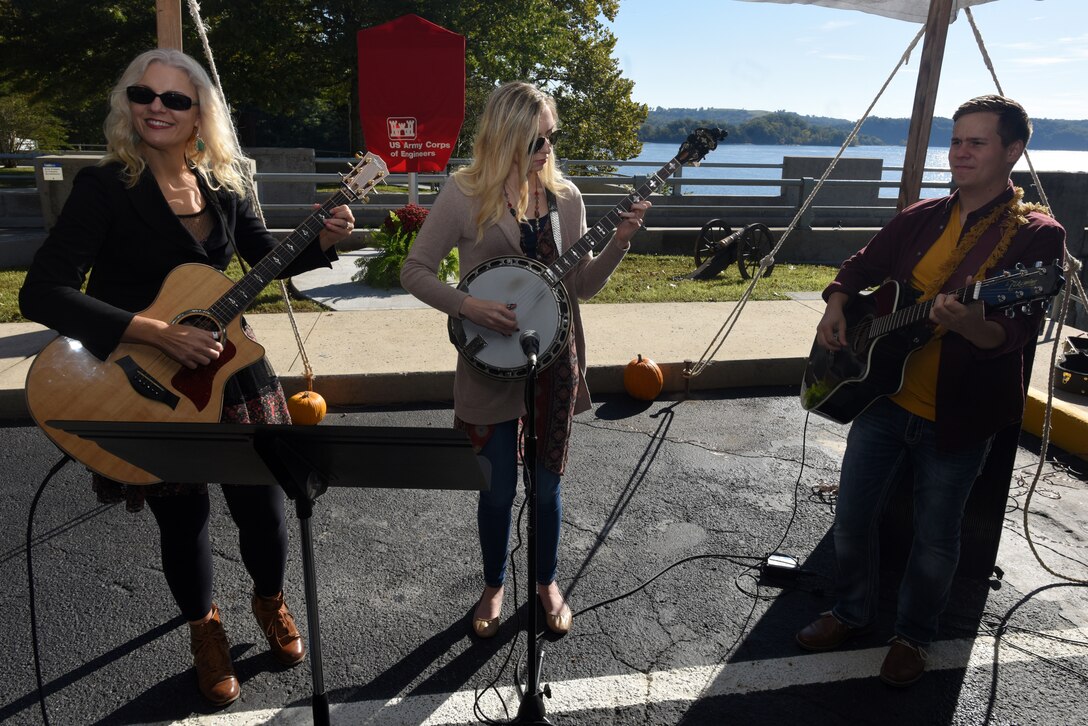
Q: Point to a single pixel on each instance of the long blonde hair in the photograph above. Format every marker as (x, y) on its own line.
(507, 130)
(221, 161)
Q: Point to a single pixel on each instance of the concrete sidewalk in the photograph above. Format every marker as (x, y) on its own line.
(385, 348)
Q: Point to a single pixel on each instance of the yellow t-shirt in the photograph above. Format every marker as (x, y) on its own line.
(919, 392)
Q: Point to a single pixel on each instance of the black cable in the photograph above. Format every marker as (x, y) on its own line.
(750, 567)
(30, 583)
(999, 629)
(477, 709)
(646, 583)
(796, 485)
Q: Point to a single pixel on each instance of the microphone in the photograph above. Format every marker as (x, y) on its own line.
(530, 345)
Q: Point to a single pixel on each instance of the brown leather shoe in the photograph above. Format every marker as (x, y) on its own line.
(826, 633)
(211, 658)
(904, 663)
(279, 628)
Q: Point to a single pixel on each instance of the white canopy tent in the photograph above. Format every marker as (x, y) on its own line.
(915, 11)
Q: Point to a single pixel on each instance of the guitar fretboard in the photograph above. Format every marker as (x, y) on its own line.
(242, 293)
(998, 292)
(599, 232)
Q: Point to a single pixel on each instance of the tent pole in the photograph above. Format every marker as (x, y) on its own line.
(168, 23)
(925, 96)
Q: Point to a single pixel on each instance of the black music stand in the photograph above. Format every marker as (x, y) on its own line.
(305, 461)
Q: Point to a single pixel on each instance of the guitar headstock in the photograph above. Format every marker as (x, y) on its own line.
(1021, 285)
(698, 144)
(364, 176)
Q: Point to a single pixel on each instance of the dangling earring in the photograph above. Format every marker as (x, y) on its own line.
(200, 145)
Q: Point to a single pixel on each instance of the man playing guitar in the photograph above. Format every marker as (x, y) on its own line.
(958, 389)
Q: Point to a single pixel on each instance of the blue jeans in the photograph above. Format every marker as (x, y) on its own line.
(495, 506)
(880, 442)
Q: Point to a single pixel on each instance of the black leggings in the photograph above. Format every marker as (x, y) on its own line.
(186, 549)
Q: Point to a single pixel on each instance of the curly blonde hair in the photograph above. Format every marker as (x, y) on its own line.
(508, 128)
(221, 161)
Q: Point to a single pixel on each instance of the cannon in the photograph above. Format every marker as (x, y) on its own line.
(718, 246)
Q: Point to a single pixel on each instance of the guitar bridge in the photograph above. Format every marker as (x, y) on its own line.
(144, 384)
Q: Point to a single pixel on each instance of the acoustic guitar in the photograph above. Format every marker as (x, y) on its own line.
(139, 382)
(883, 329)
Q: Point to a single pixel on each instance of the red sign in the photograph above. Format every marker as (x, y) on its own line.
(411, 92)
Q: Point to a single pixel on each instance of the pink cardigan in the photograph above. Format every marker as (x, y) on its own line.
(451, 223)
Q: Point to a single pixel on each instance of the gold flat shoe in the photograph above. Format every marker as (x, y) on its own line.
(560, 622)
(485, 627)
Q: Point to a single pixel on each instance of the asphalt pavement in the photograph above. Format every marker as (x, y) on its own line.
(667, 508)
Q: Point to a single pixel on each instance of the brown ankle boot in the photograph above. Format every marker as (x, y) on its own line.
(211, 658)
(279, 628)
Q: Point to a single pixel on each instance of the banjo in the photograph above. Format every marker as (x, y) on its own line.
(543, 303)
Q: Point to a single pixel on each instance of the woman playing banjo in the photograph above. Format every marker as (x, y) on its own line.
(504, 204)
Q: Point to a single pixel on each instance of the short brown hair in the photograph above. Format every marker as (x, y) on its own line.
(1013, 123)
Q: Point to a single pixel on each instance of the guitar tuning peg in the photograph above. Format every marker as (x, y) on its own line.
(358, 155)
(1010, 313)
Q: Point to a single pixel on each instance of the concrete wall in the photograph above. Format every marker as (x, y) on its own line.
(20, 208)
(277, 160)
(813, 167)
(1067, 193)
(54, 176)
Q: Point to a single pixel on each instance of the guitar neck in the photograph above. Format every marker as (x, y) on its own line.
(916, 313)
(600, 232)
(242, 293)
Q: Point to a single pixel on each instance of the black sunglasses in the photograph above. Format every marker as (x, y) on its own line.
(171, 99)
(539, 143)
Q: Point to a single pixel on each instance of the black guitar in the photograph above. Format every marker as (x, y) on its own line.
(883, 329)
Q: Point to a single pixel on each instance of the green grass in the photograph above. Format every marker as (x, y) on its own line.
(658, 278)
(10, 282)
(639, 278)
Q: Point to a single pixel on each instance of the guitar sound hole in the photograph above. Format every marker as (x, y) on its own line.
(203, 321)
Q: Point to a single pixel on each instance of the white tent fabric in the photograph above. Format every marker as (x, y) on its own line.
(915, 11)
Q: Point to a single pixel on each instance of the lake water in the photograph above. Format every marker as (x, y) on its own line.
(719, 165)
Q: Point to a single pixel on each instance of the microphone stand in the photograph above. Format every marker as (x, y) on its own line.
(531, 710)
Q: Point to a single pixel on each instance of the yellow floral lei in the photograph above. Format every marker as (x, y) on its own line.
(1017, 218)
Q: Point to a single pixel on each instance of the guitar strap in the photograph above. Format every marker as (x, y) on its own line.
(553, 217)
(213, 199)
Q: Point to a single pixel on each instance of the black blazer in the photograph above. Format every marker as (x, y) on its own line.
(129, 240)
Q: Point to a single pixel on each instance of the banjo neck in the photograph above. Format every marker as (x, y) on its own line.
(599, 232)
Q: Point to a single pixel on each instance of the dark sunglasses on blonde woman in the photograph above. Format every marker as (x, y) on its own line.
(171, 99)
(539, 143)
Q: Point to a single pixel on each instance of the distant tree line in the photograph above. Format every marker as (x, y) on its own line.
(784, 127)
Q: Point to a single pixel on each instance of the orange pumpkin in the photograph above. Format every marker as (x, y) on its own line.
(643, 379)
(306, 408)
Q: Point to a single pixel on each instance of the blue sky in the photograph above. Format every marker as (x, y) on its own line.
(829, 62)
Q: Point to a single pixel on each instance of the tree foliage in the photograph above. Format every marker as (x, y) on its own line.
(26, 124)
(289, 67)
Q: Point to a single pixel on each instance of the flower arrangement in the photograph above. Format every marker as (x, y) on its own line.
(393, 239)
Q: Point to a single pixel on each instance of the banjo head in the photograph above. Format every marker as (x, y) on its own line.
(540, 306)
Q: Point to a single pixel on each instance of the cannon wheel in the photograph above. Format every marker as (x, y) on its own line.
(706, 243)
(753, 246)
